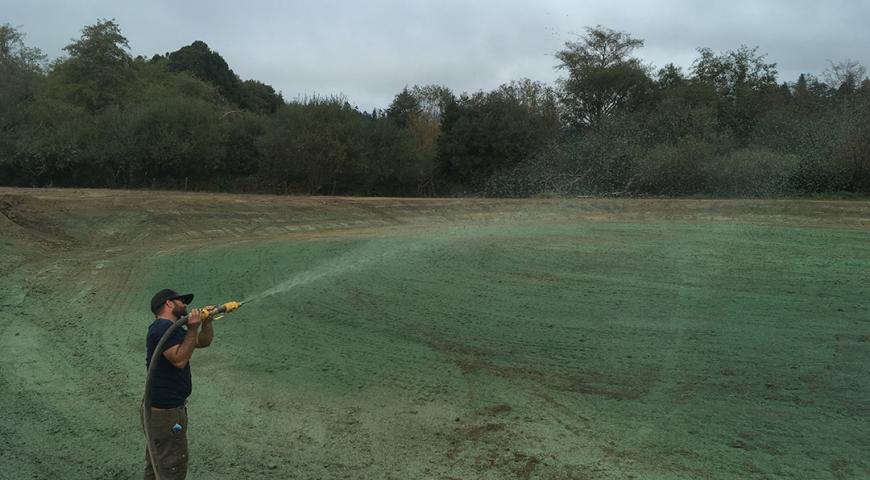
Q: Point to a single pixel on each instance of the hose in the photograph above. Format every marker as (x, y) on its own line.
(152, 366)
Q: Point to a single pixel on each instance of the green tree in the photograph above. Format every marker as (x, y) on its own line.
(207, 65)
(173, 142)
(670, 76)
(433, 99)
(603, 77)
(153, 82)
(674, 169)
(398, 160)
(592, 162)
(846, 76)
(242, 132)
(404, 109)
(489, 132)
(15, 55)
(676, 118)
(410, 162)
(258, 97)
(98, 67)
(52, 142)
(751, 172)
(316, 146)
(745, 83)
(850, 157)
(21, 69)
(735, 72)
(801, 91)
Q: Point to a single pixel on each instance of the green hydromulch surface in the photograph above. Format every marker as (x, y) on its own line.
(653, 350)
(546, 351)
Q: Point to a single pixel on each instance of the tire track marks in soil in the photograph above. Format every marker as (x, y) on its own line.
(40, 381)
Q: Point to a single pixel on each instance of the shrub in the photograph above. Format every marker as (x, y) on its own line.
(753, 172)
(674, 169)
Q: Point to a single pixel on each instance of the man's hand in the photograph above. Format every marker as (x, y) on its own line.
(209, 318)
(194, 318)
(206, 331)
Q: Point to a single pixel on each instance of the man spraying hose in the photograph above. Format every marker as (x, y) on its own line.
(171, 384)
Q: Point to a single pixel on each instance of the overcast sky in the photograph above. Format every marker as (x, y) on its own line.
(369, 50)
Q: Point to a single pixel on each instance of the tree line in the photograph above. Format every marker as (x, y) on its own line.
(611, 125)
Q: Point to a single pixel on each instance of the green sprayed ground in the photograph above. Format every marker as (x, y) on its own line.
(551, 339)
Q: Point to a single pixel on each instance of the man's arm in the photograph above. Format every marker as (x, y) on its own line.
(179, 355)
(206, 334)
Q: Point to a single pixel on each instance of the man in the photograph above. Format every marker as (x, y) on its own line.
(171, 383)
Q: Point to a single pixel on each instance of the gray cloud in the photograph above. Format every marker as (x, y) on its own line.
(369, 50)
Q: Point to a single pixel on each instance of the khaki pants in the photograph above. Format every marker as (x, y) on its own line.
(170, 444)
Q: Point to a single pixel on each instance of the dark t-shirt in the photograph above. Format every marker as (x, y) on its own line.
(170, 386)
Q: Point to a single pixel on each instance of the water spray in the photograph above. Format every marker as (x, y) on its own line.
(214, 312)
(337, 266)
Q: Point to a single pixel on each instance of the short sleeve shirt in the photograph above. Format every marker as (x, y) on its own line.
(170, 386)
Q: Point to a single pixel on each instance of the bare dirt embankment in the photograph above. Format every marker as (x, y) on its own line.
(443, 338)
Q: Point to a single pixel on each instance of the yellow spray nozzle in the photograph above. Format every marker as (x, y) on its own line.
(212, 310)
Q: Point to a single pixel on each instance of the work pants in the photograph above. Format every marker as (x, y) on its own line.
(168, 431)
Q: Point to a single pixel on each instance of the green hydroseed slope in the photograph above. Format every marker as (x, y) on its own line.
(443, 339)
(654, 350)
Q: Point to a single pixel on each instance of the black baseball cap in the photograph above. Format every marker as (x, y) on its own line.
(162, 296)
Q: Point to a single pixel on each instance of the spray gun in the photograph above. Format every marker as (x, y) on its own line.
(216, 311)
(211, 311)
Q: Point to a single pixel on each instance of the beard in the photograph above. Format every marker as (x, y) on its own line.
(179, 311)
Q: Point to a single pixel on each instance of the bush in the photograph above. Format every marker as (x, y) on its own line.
(174, 141)
(547, 172)
(593, 162)
(674, 169)
(314, 145)
(850, 156)
(752, 172)
(51, 142)
(492, 132)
